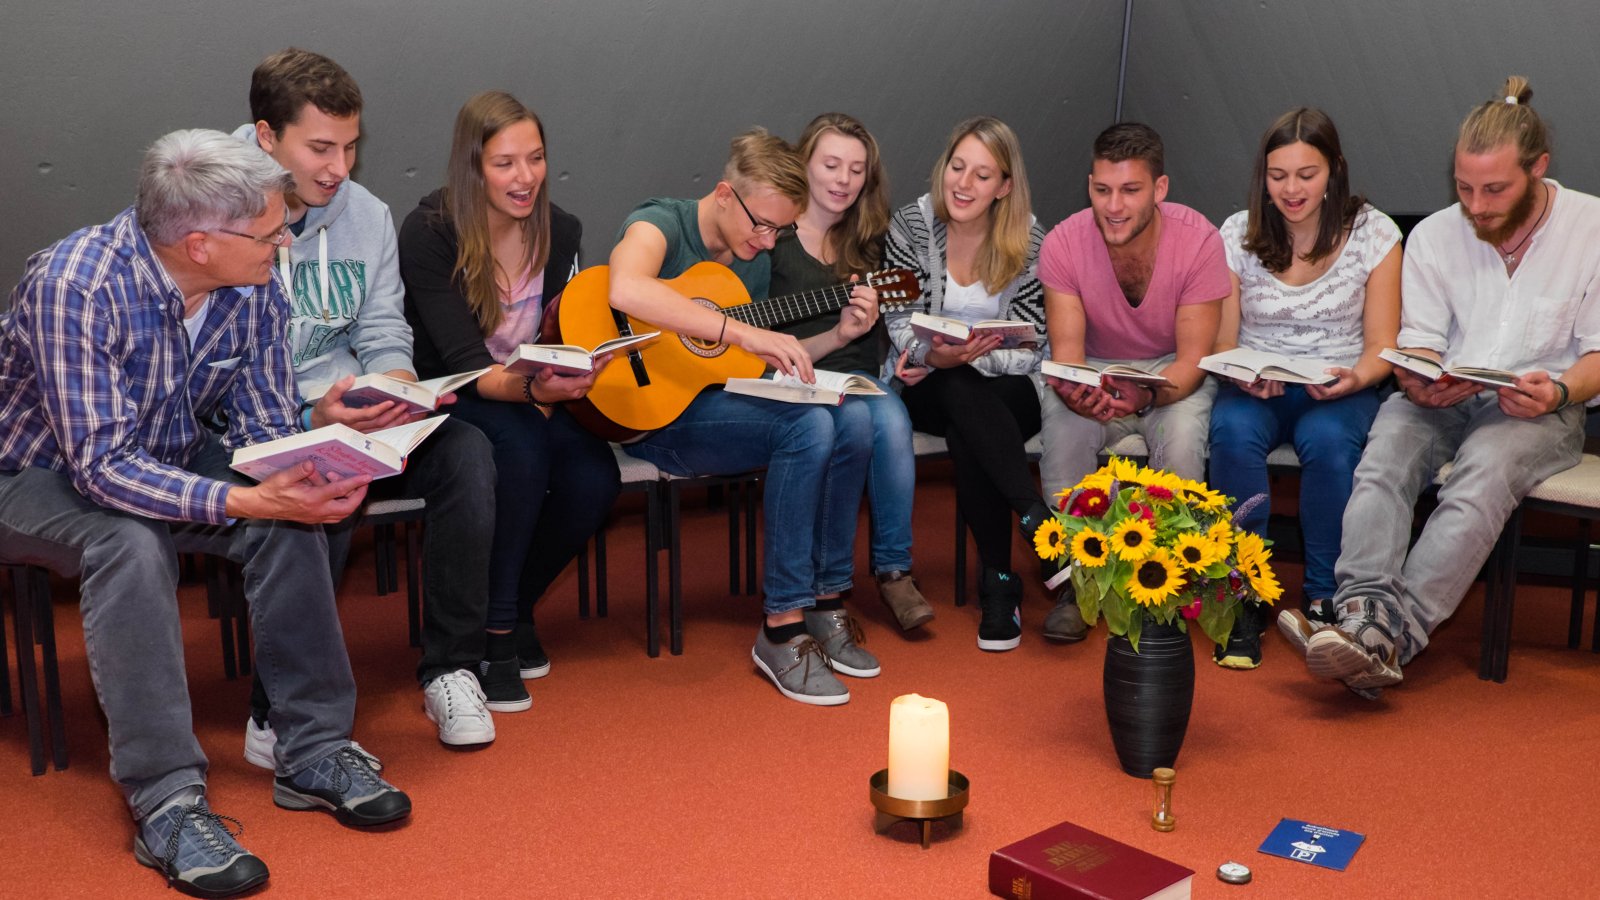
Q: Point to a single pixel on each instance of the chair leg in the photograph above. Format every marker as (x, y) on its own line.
(6, 708)
(961, 559)
(674, 573)
(652, 573)
(414, 598)
(44, 631)
(735, 502)
(752, 551)
(583, 582)
(600, 572)
(1580, 585)
(1499, 597)
(217, 608)
(27, 674)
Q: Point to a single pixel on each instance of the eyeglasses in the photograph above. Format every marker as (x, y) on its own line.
(756, 225)
(276, 239)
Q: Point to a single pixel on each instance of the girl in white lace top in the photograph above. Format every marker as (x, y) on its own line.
(1316, 274)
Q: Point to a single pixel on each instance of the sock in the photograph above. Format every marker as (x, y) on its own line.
(782, 634)
(499, 646)
(1030, 521)
(833, 605)
(188, 796)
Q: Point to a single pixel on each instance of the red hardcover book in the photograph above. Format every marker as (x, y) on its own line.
(1066, 862)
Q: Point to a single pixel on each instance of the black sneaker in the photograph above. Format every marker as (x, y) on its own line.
(503, 690)
(1000, 596)
(1243, 650)
(195, 849)
(531, 661)
(343, 783)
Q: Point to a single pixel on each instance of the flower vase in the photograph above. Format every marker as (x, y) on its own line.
(1148, 696)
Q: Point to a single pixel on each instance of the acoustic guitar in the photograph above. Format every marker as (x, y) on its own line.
(648, 388)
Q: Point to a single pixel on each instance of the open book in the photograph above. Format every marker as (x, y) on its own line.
(419, 396)
(955, 331)
(1084, 373)
(831, 387)
(1253, 365)
(337, 450)
(1430, 369)
(570, 359)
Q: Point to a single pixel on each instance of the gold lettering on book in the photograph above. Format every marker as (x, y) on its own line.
(1081, 857)
(1022, 888)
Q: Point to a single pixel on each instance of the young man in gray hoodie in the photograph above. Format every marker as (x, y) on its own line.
(342, 275)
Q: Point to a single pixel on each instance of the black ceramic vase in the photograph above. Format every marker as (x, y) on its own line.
(1148, 696)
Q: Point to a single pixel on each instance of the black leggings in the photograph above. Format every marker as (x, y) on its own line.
(985, 421)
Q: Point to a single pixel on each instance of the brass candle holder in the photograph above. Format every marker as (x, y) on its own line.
(894, 810)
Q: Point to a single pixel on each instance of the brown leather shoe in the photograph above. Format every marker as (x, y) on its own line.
(1065, 622)
(899, 592)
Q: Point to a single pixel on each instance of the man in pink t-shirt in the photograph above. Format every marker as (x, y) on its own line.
(1130, 280)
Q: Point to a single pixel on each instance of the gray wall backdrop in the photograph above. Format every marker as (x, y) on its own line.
(640, 98)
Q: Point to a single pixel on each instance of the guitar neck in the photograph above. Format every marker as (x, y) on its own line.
(792, 307)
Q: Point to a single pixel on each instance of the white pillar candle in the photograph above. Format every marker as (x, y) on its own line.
(919, 748)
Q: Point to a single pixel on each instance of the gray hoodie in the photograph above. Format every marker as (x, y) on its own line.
(342, 275)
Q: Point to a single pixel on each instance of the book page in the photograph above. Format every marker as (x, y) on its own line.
(405, 438)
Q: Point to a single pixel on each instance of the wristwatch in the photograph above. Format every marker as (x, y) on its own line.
(1144, 410)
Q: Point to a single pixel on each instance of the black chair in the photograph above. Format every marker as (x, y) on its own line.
(33, 623)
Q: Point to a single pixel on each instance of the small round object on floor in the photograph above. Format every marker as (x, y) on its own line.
(1233, 873)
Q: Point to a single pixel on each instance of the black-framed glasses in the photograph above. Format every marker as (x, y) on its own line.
(756, 225)
(276, 238)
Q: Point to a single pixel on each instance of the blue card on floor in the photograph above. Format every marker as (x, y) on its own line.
(1318, 845)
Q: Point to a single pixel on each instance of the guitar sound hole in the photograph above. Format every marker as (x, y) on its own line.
(699, 347)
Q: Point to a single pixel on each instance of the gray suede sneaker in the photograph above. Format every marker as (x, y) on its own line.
(195, 849)
(799, 669)
(1360, 650)
(345, 784)
(840, 636)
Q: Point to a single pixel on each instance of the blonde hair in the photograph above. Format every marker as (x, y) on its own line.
(1004, 253)
(760, 157)
(467, 208)
(857, 237)
(1506, 119)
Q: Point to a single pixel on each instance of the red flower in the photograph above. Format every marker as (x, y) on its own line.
(1192, 611)
(1142, 511)
(1091, 504)
(1157, 492)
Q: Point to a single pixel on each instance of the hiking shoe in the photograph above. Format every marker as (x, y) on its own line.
(1000, 598)
(502, 686)
(454, 702)
(531, 661)
(1243, 649)
(1360, 650)
(1065, 622)
(345, 784)
(799, 669)
(195, 849)
(839, 635)
(260, 742)
(898, 591)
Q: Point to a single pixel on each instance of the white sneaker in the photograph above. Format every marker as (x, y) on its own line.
(455, 703)
(260, 742)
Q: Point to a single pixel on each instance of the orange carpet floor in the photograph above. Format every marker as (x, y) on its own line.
(691, 777)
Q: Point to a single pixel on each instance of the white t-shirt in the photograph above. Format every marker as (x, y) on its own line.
(1322, 319)
(968, 302)
(1460, 302)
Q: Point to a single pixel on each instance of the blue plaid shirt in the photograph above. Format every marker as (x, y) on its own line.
(98, 380)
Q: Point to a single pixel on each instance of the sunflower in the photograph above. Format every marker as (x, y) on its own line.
(1050, 540)
(1159, 484)
(1197, 495)
(1194, 552)
(1221, 534)
(1133, 539)
(1090, 549)
(1121, 469)
(1095, 481)
(1253, 556)
(1155, 579)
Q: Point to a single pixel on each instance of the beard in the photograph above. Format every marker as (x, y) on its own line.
(1135, 227)
(1518, 216)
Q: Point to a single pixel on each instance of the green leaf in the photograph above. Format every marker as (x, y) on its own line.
(1135, 627)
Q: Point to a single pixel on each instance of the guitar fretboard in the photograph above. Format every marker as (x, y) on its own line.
(793, 307)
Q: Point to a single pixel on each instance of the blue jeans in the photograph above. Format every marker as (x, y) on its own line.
(1328, 436)
(129, 572)
(555, 484)
(816, 460)
(891, 478)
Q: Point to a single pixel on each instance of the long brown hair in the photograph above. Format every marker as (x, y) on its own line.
(1268, 234)
(1507, 119)
(858, 236)
(1004, 253)
(465, 205)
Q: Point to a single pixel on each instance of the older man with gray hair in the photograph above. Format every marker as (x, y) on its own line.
(120, 339)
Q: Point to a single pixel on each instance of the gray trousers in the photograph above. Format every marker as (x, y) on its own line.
(1498, 460)
(1176, 435)
(128, 570)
